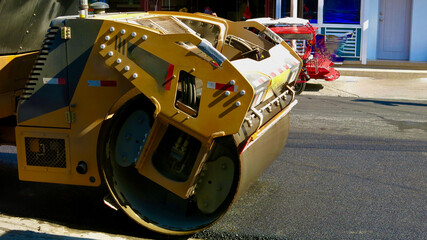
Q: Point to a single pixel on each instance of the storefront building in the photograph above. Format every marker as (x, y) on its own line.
(382, 29)
(394, 30)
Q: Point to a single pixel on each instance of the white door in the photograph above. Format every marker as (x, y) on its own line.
(394, 29)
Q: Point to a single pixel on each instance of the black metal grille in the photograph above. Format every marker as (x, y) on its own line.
(45, 152)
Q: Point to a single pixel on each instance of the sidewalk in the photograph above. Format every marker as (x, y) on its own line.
(374, 82)
(382, 73)
(365, 87)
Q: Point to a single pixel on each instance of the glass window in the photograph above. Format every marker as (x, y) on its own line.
(343, 11)
(286, 6)
(310, 10)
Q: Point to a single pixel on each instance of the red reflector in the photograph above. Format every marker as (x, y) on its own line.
(169, 77)
(106, 83)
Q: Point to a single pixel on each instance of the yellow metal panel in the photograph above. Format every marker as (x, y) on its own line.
(5, 60)
(73, 153)
(14, 71)
(214, 105)
(55, 119)
(145, 165)
(276, 82)
(91, 105)
(41, 173)
(222, 23)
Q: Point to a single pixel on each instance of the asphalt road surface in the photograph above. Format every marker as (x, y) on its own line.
(353, 168)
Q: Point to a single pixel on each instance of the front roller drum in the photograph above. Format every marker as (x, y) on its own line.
(147, 202)
(224, 175)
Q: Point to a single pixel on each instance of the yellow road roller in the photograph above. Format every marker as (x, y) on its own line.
(176, 113)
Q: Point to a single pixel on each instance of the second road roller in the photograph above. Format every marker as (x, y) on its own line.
(176, 113)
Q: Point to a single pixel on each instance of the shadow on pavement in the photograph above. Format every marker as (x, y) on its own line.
(391, 103)
(24, 235)
(313, 87)
(75, 207)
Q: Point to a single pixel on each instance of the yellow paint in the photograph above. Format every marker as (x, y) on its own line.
(91, 127)
(41, 173)
(213, 107)
(280, 79)
(276, 82)
(14, 71)
(55, 119)
(5, 60)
